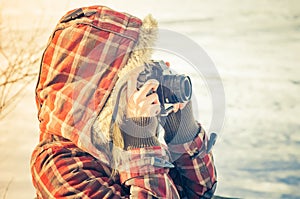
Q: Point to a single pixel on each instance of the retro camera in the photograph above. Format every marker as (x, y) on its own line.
(173, 88)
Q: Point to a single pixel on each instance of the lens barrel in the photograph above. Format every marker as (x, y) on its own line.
(176, 88)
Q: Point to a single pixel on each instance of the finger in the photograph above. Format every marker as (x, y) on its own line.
(176, 107)
(132, 81)
(149, 100)
(144, 110)
(167, 64)
(151, 84)
(153, 110)
(182, 105)
(139, 98)
(131, 85)
(153, 99)
(149, 111)
(150, 106)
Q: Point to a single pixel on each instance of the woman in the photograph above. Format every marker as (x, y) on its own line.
(98, 132)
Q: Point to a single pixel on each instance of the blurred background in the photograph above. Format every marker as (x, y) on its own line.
(255, 45)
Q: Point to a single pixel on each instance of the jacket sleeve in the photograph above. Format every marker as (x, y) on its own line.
(144, 163)
(194, 173)
(60, 169)
(146, 173)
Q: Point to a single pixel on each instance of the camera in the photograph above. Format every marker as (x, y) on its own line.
(172, 89)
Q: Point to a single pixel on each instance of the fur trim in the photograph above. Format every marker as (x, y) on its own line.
(140, 55)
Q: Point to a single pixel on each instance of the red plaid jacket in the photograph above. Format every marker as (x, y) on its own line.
(78, 72)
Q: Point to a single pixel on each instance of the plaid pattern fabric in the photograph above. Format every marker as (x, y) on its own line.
(61, 170)
(194, 148)
(152, 164)
(194, 168)
(78, 72)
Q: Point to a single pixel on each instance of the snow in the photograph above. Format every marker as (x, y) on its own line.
(255, 48)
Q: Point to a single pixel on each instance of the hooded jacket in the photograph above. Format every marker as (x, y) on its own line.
(87, 59)
(87, 50)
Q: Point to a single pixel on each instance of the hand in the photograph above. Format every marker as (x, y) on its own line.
(139, 127)
(180, 125)
(139, 103)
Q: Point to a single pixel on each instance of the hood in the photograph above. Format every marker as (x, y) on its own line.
(87, 57)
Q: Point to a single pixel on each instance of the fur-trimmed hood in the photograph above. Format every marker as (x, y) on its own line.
(87, 59)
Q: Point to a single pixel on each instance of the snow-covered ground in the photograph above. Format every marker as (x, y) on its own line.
(255, 45)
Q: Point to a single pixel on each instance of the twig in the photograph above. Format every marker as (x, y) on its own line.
(17, 79)
(6, 188)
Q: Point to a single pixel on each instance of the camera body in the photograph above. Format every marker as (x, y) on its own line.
(172, 89)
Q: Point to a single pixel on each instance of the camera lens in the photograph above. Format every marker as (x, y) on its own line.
(176, 88)
(187, 87)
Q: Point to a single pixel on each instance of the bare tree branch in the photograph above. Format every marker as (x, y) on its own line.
(7, 187)
(19, 57)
